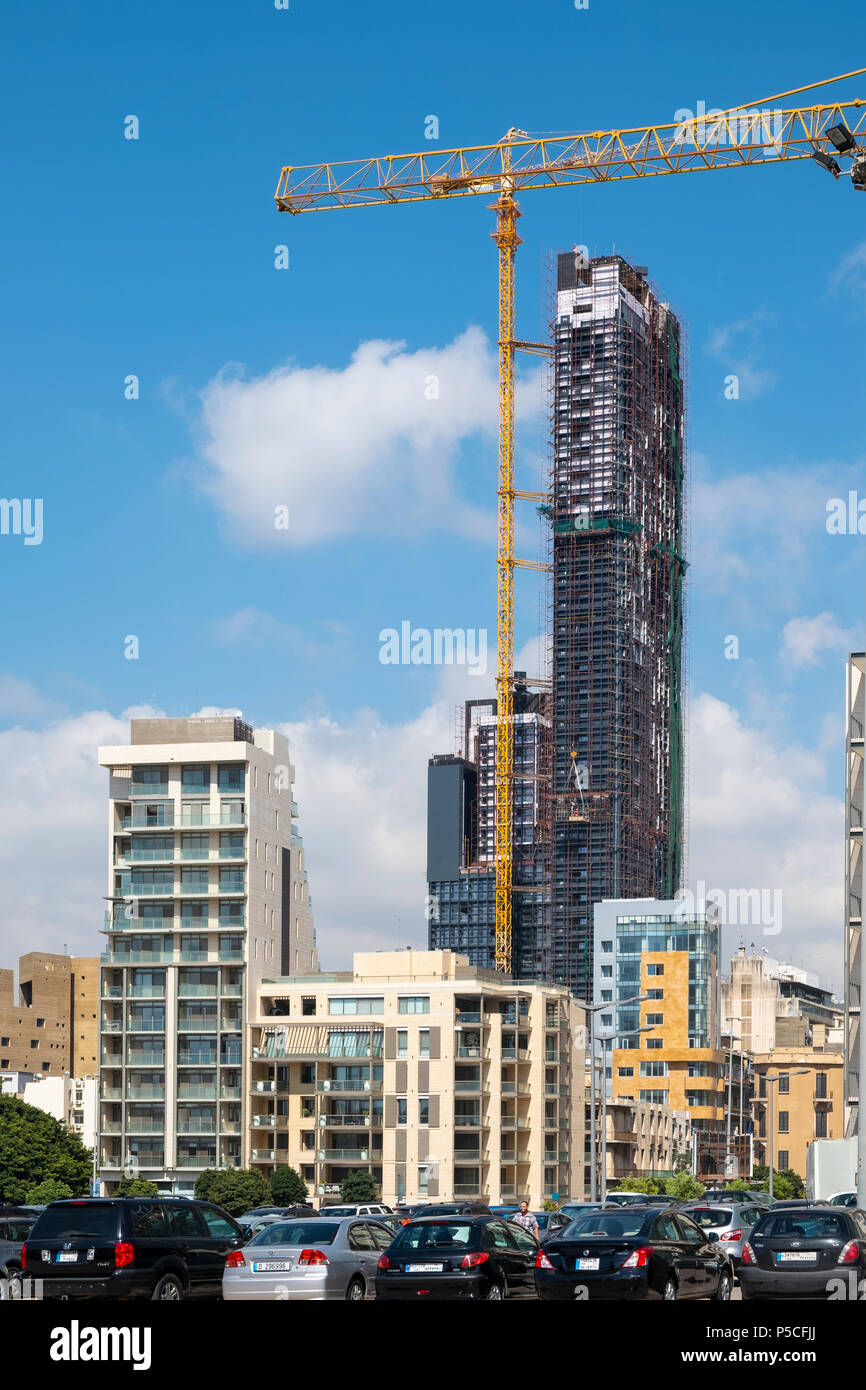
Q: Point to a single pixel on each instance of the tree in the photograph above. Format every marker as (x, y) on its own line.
(684, 1187)
(49, 1190)
(233, 1189)
(548, 1205)
(287, 1186)
(136, 1187)
(359, 1186)
(683, 1162)
(786, 1183)
(637, 1184)
(33, 1147)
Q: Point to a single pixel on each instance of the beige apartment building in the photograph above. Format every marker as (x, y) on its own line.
(439, 1078)
(51, 1027)
(644, 1138)
(805, 1106)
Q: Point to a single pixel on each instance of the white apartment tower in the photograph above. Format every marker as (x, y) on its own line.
(207, 896)
(855, 711)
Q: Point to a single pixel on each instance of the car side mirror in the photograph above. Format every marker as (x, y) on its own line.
(712, 1237)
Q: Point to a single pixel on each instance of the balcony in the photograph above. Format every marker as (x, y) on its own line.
(516, 1054)
(462, 1189)
(347, 1121)
(467, 1085)
(259, 1086)
(196, 1129)
(195, 1160)
(348, 1086)
(262, 1155)
(145, 1093)
(149, 789)
(141, 819)
(145, 1158)
(146, 1059)
(467, 1121)
(134, 1126)
(198, 1024)
(111, 1127)
(348, 1155)
(196, 1092)
(514, 1122)
(231, 991)
(112, 1093)
(462, 1018)
(230, 1092)
(263, 1121)
(144, 1025)
(230, 1126)
(203, 816)
(146, 991)
(473, 1053)
(112, 1025)
(112, 991)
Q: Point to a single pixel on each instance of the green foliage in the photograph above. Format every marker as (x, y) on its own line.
(547, 1205)
(287, 1186)
(786, 1183)
(648, 1185)
(35, 1147)
(738, 1185)
(684, 1187)
(136, 1187)
(234, 1189)
(359, 1186)
(49, 1190)
(683, 1162)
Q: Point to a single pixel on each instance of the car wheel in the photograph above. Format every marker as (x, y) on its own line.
(495, 1293)
(168, 1289)
(356, 1292)
(670, 1291)
(723, 1292)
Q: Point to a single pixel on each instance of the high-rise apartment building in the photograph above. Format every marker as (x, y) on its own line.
(208, 895)
(775, 1004)
(618, 565)
(855, 709)
(438, 1078)
(461, 878)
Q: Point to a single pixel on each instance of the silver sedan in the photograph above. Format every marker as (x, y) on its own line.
(308, 1260)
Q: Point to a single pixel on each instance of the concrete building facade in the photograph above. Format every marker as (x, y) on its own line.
(51, 1028)
(439, 1078)
(208, 895)
(806, 1107)
(774, 1003)
(855, 712)
(644, 1138)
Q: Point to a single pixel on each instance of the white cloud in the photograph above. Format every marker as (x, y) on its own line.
(370, 447)
(760, 817)
(804, 640)
(738, 345)
(850, 274)
(21, 700)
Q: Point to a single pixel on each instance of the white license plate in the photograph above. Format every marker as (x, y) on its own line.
(424, 1269)
(792, 1257)
(67, 1257)
(586, 1264)
(271, 1266)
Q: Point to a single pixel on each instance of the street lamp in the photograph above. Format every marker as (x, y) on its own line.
(591, 1010)
(771, 1081)
(731, 1018)
(604, 1039)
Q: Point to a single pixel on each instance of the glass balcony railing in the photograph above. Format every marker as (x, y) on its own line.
(146, 991)
(146, 1092)
(230, 1092)
(146, 1059)
(196, 1128)
(152, 789)
(260, 1086)
(196, 1160)
(350, 1121)
(145, 1158)
(112, 991)
(348, 1155)
(262, 1155)
(196, 991)
(196, 1092)
(263, 1121)
(336, 1085)
(134, 1126)
(230, 1126)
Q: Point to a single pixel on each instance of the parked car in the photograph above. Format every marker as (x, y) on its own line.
(508, 1209)
(639, 1199)
(253, 1221)
(795, 1252)
(16, 1224)
(732, 1221)
(796, 1202)
(457, 1209)
(357, 1209)
(563, 1217)
(648, 1253)
(458, 1257)
(844, 1199)
(130, 1247)
(301, 1261)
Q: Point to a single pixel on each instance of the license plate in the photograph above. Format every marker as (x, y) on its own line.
(424, 1269)
(792, 1257)
(67, 1257)
(586, 1264)
(271, 1266)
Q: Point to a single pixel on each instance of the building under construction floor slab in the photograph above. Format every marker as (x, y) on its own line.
(617, 601)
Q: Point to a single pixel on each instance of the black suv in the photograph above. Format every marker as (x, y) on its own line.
(164, 1249)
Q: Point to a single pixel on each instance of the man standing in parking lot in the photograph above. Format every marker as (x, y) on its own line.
(526, 1219)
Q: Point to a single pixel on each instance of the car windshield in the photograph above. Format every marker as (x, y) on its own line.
(19, 1227)
(802, 1223)
(710, 1217)
(437, 1233)
(87, 1220)
(316, 1232)
(598, 1223)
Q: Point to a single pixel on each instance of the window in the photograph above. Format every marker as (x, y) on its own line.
(360, 1237)
(356, 1006)
(625, 1071)
(653, 1068)
(821, 1085)
(691, 1232)
(183, 1221)
(665, 1229)
(401, 1110)
(607, 947)
(655, 970)
(196, 779)
(654, 1097)
(424, 1042)
(655, 994)
(231, 777)
(382, 1237)
(784, 1085)
(821, 1125)
(414, 1004)
(402, 1042)
(40, 1023)
(783, 1128)
(655, 1019)
(607, 972)
(783, 1158)
(655, 1044)
(217, 1224)
(149, 1221)
(423, 1110)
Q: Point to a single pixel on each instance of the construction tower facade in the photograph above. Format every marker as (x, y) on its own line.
(617, 617)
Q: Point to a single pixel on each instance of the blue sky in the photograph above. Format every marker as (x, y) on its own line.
(156, 257)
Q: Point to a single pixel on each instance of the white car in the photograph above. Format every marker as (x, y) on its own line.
(359, 1209)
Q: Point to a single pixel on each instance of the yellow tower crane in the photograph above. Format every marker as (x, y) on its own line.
(742, 136)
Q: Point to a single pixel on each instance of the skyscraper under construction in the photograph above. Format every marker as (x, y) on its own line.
(598, 770)
(618, 566)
